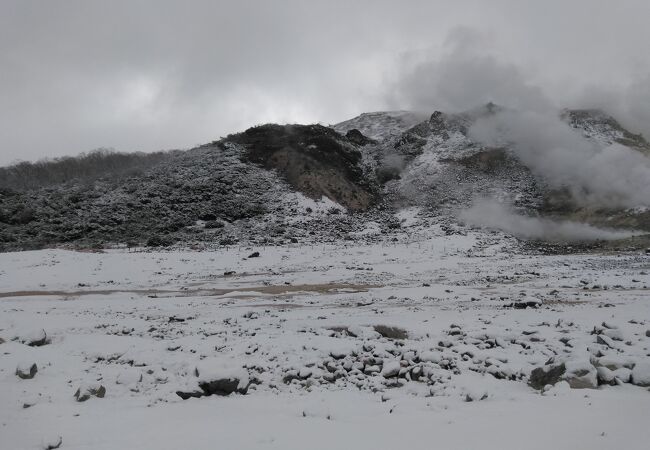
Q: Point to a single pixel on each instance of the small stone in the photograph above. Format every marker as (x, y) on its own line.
(254, 255)
(623, 374)
(391, 369)
(605, 376)
(85, 392)
(641, 374)
(26, 372)
(222, 387)
(53, 444)
(549, 374)
(36, 339)
(605, 340)
(614, 334)
(581, 374)
(476, 396)
(338, 354)
(190, 394)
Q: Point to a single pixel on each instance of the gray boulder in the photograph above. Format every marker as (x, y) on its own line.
(26, 372)
(86, 392)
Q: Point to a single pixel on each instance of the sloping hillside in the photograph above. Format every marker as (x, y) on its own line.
(290, 183)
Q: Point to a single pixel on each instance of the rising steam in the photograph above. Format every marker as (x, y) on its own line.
(596, 175)
(496, 216)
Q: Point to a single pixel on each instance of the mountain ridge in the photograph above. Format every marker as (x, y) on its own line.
(285, 183)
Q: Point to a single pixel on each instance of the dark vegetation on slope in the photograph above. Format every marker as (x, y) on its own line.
(314, 159)
(103, 197)
(209, 183)
(87, 167)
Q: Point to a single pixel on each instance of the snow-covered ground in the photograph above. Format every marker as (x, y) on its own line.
(397, 345)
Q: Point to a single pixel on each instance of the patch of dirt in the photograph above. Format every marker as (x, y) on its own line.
(271, 290)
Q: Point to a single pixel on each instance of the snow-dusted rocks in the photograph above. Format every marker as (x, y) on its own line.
(36, 338)
(548, 374)
(475, 395)
(86, 391)
(641, 373)
(26, 371)
(525, 302)
(578, 373)
(430, 316)
(390, 369)
(613, 377)
(52, 443)
(213, 379)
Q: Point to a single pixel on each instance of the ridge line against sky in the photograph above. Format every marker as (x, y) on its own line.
(150, 75)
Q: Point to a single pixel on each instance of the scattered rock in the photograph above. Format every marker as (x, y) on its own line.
(338, 354)
(53, 444)
(85, 392)
(476, 395)
(26, 372)
(391, 332)
(35, 339)
(614, 362)
(580, 374)
(218, 381)
(605, 376)
(223, 386)
(614, 334)
(605, 340)
(525, 302)
(391, 369)
(190, 394)
(641, 374)
(548, 374)
(254, 255)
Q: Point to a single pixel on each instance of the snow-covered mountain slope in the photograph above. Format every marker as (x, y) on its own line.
(381, 125)
(254, 186)
(438, 163)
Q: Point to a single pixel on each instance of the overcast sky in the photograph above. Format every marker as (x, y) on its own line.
(151, 75)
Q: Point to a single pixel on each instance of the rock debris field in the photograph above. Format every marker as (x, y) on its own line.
(449, 342)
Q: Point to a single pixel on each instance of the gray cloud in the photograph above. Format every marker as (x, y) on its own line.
(148, 75)
(463, 77)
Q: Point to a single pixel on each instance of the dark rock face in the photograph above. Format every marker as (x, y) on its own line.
(541, 376)
(314, 159)
(355, 136)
